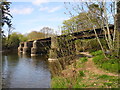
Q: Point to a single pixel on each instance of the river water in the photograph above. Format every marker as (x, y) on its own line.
(23, 71)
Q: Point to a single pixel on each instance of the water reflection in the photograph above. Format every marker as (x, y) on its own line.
(22, 71)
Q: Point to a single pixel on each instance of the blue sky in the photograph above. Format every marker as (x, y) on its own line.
(32, 16)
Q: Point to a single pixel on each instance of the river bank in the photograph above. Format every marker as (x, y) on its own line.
(85, 73)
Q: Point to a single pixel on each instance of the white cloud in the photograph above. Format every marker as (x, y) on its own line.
(38, 2)
(22, 10)
(50, 10)
(55, 9)
(61, 19)
(44, 9)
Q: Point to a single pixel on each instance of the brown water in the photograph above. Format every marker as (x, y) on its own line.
(23, 71)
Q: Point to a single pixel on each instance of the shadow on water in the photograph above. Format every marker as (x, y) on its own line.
(24, 71)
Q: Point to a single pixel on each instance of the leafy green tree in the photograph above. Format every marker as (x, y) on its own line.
(81, 21)
(13, 41)
(98, 15)
(35, 35)
(22, 38)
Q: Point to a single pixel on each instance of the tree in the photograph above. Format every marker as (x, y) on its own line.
(5, 16)
(13, 41)
(81, 21)
(103, 17)
(69, 26)
(47, 31)
(35, 35)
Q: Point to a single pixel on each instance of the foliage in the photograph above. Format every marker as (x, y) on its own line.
(96, 14)
(90, 45)
(35, 35)
(58, 82)
(110, 65)
(83, 59)
(43, 33)
(81, 73)
(83, 80)
(6, 16)
(48, 32)
(81, 21)
(13, 41)
(99, 52)
(5, 6)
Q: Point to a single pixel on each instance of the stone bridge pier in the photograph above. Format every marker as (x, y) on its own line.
(20, 48)
(53, 52)
(61, 47)
(40, 47)
(27, 47)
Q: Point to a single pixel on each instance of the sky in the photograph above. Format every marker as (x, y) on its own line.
(33, 16)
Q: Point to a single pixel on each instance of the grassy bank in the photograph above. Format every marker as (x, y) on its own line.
(78, 75)
(111, 64)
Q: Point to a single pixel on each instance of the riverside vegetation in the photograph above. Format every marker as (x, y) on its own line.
(85, 74)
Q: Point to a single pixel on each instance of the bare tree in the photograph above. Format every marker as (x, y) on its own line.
(47, 31)
(107, 15)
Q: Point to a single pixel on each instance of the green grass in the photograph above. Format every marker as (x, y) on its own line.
(81, 73)
(80, 62)
(99, 81)
(97, 53)
(111, 81)
(59, 82)
(111, 64)
(62, 82)
(83, 59)
(92, 80)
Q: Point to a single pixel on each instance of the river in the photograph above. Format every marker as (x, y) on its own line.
(23, 71)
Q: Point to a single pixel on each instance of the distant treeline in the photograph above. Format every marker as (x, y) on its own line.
(12, 41)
